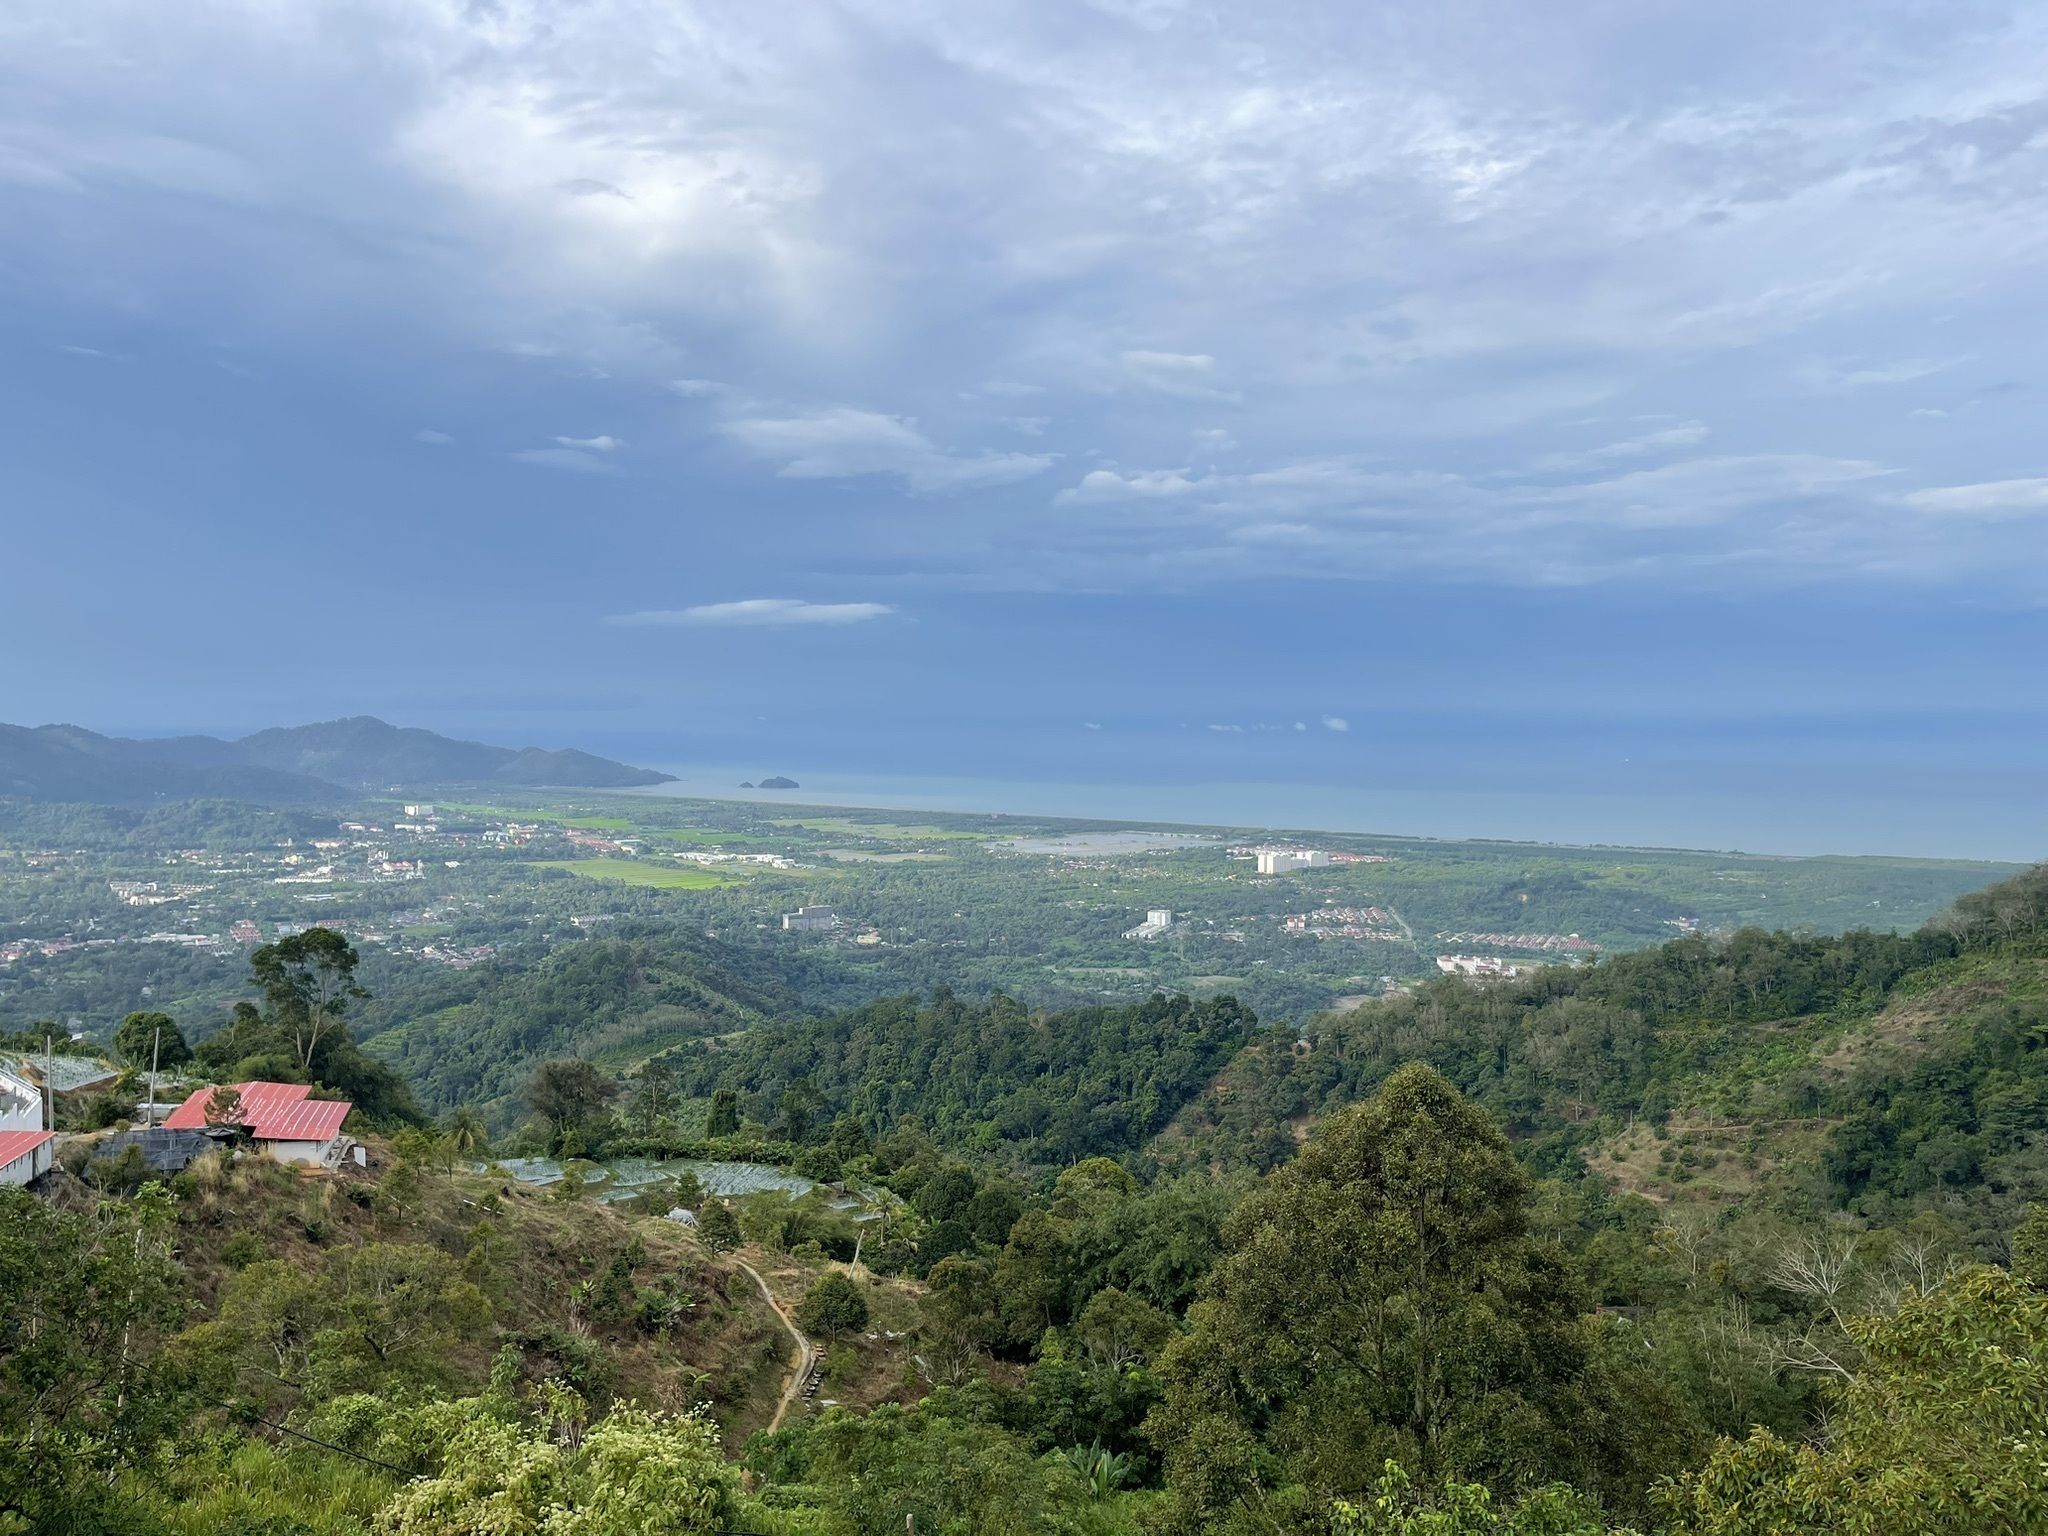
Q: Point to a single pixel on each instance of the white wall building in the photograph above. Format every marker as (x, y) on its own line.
(1281, 861)
(809, 920)
(21, 1103)
(1157, 921)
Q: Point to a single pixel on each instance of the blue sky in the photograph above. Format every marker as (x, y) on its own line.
(1582, 399)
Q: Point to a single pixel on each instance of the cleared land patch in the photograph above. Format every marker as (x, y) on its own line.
(665, 877)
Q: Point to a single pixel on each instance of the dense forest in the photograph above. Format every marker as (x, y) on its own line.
(1730, 1236)
(1039, 1089)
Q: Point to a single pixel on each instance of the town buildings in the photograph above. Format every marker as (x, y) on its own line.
(810, 920)
(1479, 965)
(1157, 921)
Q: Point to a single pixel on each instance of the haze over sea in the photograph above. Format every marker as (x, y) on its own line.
(1774, 823)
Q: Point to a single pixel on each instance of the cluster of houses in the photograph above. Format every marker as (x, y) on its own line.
(280, 1120)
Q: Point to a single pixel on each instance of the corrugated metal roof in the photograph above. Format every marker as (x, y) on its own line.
(257, 1098)
(15, 1145)
(165, 1151)
(307, 1120)
(271, 1111)
(66, 1074)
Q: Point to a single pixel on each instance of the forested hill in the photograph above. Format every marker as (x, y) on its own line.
(288, 765)
(474, 1037)
(1874, 1072)
(1043, 1089)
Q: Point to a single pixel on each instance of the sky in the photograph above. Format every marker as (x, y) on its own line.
(1424, 413)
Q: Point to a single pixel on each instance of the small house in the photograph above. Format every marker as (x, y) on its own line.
(279, 1118)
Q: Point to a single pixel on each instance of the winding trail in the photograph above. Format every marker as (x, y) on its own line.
(806, 1352)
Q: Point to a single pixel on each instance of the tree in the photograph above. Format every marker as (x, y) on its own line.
(958, 1316)
(718, 1227)
(308, 979)
(148, 1041)
(894, 1470)
(396, 1312)
(724, 1116)
(832, 1306)
(570, 1096)
(1396, 1507)
(2030, 1248)
(466, 1133)
(84, 1388)
(1380, 1299)
(654, 1096)
(633, 1473)
(1118, 1332)
(1934, 1433)
(224, 1106)
(795, 1110)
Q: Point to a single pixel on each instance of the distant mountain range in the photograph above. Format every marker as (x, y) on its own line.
(286, 765)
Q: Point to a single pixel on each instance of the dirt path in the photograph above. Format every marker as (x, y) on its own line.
(806, 1354)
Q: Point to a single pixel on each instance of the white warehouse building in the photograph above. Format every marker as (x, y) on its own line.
(1281, 861)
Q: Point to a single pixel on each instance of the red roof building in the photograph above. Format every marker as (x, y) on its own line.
(25, 1155)
(292, 1127)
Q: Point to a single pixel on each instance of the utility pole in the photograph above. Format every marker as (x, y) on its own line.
(49, 1081)
(156, 1045)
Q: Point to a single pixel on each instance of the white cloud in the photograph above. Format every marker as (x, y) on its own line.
(574, 460)
(1684, 435)
(756, 611)
(1336, 723)
(432, 438)
(1091, 725)
(600, 444)
(697, 389)
(1990, 499)
(1214, 440)
(1100, 485)
(1228, 730)
(1825, 375)
(1186, 375)
(843, 443)
(1301, 725)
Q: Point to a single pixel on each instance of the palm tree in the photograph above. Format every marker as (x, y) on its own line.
(467, 1136)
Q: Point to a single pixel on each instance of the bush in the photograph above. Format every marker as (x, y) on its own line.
(832, 1306)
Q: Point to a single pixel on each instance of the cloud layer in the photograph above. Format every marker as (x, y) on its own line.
(756, 611)
(1093, 296)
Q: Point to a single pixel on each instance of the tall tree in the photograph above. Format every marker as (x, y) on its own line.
(1380, 1298)
(654, 1096)
(570, 1096)
(466, 1133)
(308, 980)
(724, 1117)
(150, 1040)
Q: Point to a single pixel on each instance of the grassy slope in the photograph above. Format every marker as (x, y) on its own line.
(529, 1252)
(1731, 1135)
(1730, 1139)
